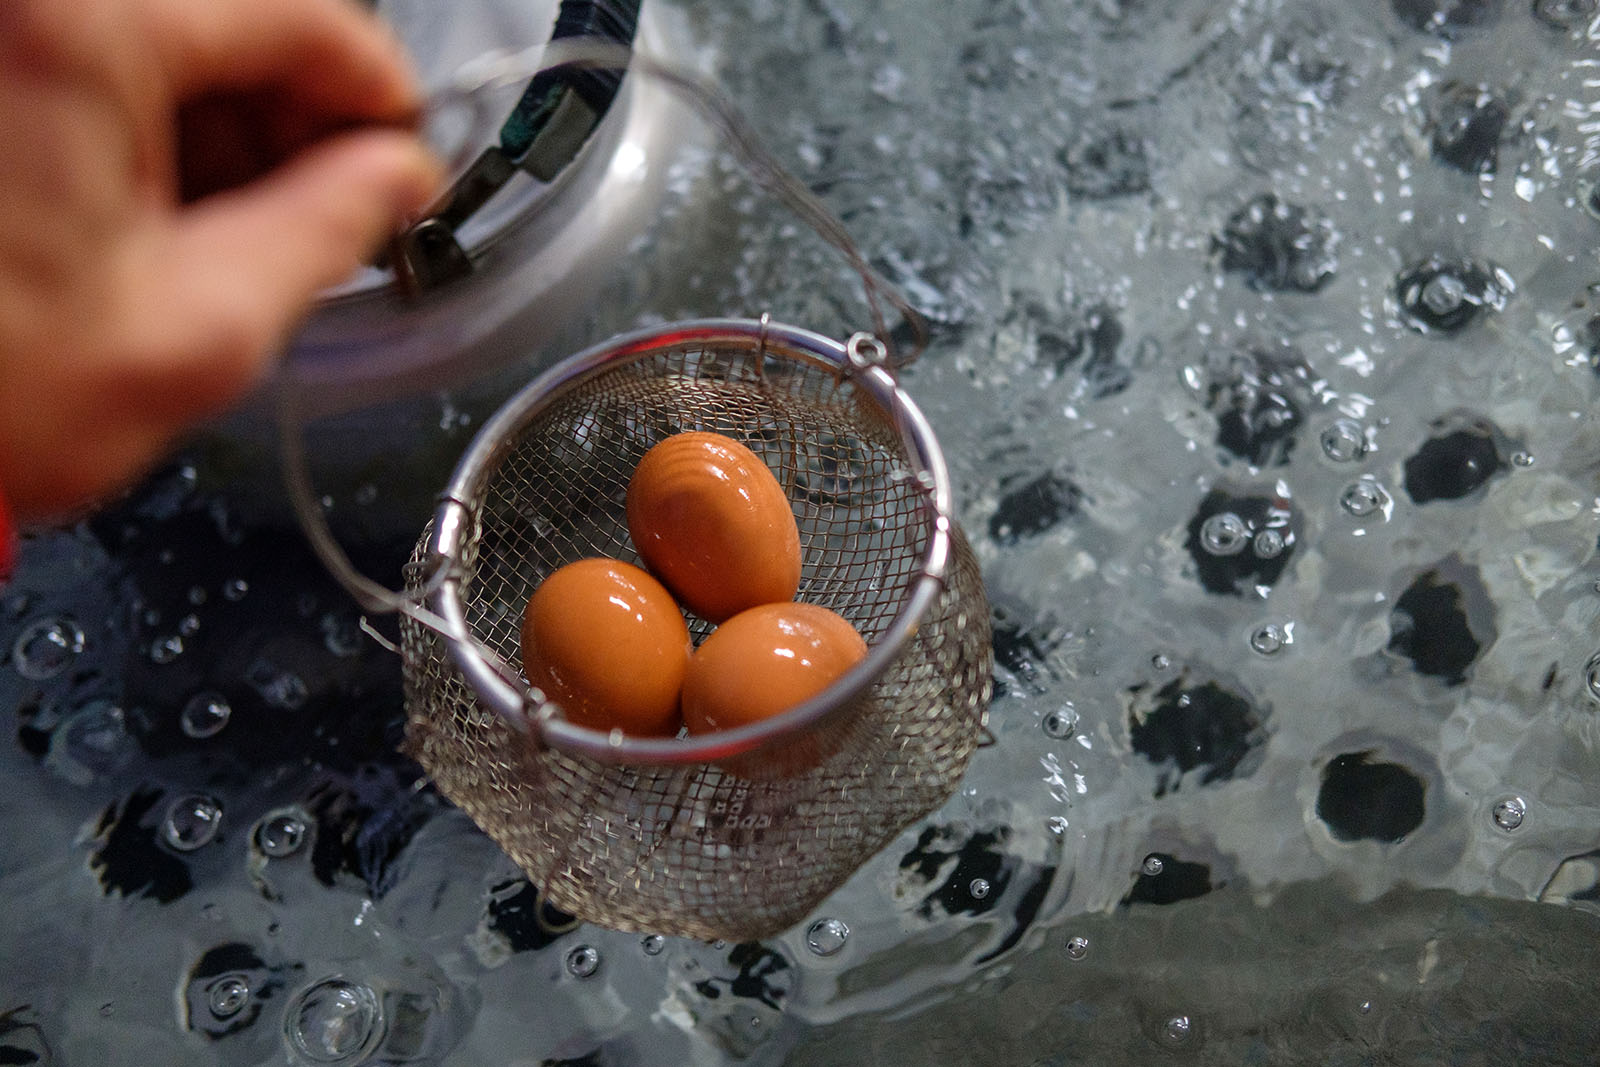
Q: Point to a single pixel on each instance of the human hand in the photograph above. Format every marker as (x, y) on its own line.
(180, 178)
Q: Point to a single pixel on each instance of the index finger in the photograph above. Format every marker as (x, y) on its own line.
(327, 55)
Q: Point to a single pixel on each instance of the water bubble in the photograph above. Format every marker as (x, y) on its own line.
(1060, 724)
(342, 635)
(1224, 534)
(334, 1021)
(1160, 662)
(1591, 671)
(1589, 196)
(279, 688)
(166, 649)
(1269, 638)
(1565, 14)
(228, 995)
(1522, 458)
(1152, 865)
(1509, 812)
(653, 944)
(46, 648)
(1177, 1030)
(1443, 294)
(205, 715)
(16, 605)
(281, 834)
(1363, 498)
(583, 961)
(1343, 441)
(1077, 947)
(197, 595)
(826, 937)
(979, 888)
(234, 589)
(1268, 544)
(90, 743)
(192, 821)
(189, 625)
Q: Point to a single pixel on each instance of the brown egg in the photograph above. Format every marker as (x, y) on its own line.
(763, 662)
(714, 525)
(607, 643)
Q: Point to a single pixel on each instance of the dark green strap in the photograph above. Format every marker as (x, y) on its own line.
(548, 127)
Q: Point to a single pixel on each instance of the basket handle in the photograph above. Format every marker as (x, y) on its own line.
(599, 53)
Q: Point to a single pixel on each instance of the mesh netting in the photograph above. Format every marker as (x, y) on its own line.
(748, 848)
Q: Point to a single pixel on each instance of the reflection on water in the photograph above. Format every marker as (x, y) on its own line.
(1266, 339)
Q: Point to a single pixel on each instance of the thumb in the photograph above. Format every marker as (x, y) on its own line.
(249, 262)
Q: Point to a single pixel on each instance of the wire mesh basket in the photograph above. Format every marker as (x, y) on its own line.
(736, 834)
(733, 834)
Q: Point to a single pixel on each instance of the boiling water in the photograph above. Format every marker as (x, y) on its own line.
(1266, 338)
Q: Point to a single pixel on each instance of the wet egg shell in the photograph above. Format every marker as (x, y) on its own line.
(764, 661)
(712, 522)
(607, 643)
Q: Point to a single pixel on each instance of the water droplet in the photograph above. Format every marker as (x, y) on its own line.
(281, 834)
(1363, 498)
(1267, 544)
(227, 995)
(1522, 458)
(1060, 724)
(1224, 534)
(1509, 812)
(1077, 947)
(583, 961)
(1365, 1008)
(826, 937)
(1343, 441)
(205, 715)
(1591, 671)
(46, 648)
(1056, 824)
(653, 944)
(191, 822)
(234, 589)
(1152, 865)
(166, 649)
(979, 888)
(1269, 639)
(334, 1021)
(1177, 1030)
(1160, 662)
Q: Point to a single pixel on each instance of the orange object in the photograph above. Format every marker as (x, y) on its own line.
(763, 662)
(713, 523)
(607, 643)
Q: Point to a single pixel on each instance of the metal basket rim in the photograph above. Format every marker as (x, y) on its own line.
(490, 677)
